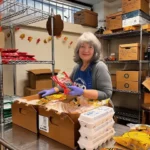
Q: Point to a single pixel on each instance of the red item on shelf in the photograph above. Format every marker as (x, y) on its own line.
(22, 53)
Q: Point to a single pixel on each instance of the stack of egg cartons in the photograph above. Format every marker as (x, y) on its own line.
(96, 127)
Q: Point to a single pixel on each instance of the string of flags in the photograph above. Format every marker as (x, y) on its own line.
(23, 36)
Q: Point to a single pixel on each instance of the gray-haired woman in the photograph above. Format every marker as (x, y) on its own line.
(90, 75)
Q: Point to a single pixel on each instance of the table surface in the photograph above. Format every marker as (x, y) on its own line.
(18, 138)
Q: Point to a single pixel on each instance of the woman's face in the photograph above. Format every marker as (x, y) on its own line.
(86, 52)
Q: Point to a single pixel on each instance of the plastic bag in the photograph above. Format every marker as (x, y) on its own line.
(64, 81)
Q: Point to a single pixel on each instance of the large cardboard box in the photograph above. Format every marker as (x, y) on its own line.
(2, 40)
(86, 17)
(131, 5)
(130, 51)
(26, 116)
(40, 78)
(60, 127)
(128, 80)
(114, 21)
(136, 17)
(28, 91)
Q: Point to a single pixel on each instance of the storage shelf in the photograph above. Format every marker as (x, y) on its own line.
(14, 13)
(131, 62)
(122, 34)
(124, 91)
(28, 62)
(127, 114)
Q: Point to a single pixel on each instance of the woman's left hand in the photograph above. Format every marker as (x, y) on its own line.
(75, 91)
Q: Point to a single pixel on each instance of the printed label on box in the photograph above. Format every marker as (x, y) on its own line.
(43, 123)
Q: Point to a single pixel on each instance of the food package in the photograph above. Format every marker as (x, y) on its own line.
(138, 138)
(64, 81)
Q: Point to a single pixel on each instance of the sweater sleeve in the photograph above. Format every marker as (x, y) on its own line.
(103, 81)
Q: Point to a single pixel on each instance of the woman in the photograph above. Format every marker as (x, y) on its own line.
(90, 76)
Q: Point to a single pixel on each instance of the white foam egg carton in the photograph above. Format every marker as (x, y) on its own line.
(96, 116)
(95, 132)
(95, 143)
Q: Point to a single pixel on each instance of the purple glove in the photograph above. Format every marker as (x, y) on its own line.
(46, 92)
(75, 91)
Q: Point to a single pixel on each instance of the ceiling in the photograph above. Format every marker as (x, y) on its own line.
(92, 2)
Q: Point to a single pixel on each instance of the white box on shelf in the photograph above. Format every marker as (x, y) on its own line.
(134, 21)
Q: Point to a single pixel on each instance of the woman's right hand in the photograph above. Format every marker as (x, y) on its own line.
(47, 92)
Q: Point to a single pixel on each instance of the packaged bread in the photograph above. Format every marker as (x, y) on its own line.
(138, 138)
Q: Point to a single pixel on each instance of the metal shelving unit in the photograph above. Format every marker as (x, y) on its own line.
(123, 91)
(14, 14)
(129, 62)
(127, 34)
(122, 34)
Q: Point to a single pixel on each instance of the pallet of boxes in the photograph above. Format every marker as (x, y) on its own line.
(134, 13)
(39, 79)
(60, 115)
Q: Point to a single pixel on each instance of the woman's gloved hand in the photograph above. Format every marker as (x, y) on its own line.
(75, 91)
(46, 92)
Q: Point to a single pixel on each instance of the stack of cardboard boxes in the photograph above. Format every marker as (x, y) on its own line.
(134, 12)
(39, 79)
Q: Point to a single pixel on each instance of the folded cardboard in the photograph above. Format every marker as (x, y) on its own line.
(86, 17)
(130, 51)
(24, 115)
(60, 127)
(146, 83)
(40, 78)
(131, 5)
(136, 17)
(114, 21)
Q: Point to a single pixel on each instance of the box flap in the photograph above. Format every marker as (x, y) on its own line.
(115, 14)
(42, 71)
(146, 83)
(129, 45)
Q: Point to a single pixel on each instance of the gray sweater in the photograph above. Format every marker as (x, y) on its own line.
(101, 80)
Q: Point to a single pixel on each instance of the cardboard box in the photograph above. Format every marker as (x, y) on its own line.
(2, 40)
(113, 79)
(131, 5)
(129, 75)
(127, 86)
(128, 80)
(26, 116)
(40, 78)
(60, 127)
(86, 17)
(130, 51)
(146, 98)
(114, 21)
(136, 17)
(28, 91)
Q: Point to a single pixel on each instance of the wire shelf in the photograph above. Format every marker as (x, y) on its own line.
(130, 62)
(124, 91)
(28, 62)
(14, 13)
(127, 114)
(121, 34)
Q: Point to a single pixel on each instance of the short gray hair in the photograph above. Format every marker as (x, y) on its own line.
(88, 37)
